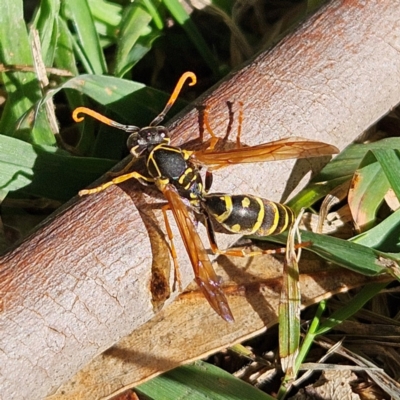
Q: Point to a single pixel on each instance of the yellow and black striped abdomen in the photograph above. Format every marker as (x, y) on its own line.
(247, 214)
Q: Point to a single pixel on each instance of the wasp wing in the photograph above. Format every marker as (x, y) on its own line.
(205, 275)
(283, 149)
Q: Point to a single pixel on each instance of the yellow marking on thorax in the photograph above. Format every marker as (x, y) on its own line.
(186, 154)
(151, 160)
(168, 148)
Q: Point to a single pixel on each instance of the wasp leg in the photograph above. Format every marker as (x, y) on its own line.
(172, 247)
(214, 137)
(241, 252)
(240, 121)
(208, 181)
(123, 171)
(122, 178)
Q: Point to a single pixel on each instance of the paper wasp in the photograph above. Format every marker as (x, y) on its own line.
(176, 173)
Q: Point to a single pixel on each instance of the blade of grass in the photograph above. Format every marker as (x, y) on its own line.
(338, 171)
(21, 87)
(390, 164)
(79, 13)
(320, 326)
(65, 59)
(151, 7)
(289, 307)
(384, 236)
(199, 381)
(106, 13)
(367, 190)
(182, 18)
(355, 304)
(45, 171)
(289, 319)
(46, 22)
(135, 38)
(353, 256)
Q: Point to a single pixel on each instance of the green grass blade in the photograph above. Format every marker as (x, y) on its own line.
(199, 381)
(45, 171)
(107, 16)
(289, 316)
(64, 58)
(46, 22)
(352, 306)
(384, 236)
(353, 256)
(136, 36)
(347, 254)
(22, 87)
(390, 163)
(320, 326)
(349, 159)
(369, 186)
(338, 171)
(314, 192)
(310, 335)
(183, 19)
(79, 13)
(152, 8)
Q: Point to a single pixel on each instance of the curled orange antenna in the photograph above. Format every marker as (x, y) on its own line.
(187, 75)
(101, 118)
(132, 128)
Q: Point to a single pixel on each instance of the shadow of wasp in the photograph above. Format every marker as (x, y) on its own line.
(176, 173)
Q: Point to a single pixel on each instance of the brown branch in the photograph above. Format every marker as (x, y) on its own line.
(81, 281)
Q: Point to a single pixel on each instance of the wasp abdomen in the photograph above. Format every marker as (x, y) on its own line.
(247, 214)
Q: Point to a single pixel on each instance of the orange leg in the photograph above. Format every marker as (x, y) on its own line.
(172, 247)
(214, 137)
(240, 121)
(241, 252)
(122, 178)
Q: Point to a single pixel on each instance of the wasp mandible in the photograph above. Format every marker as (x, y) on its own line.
(176, 173)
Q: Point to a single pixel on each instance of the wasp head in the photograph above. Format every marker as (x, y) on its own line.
(146, 139)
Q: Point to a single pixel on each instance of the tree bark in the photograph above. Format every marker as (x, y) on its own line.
(82, 280)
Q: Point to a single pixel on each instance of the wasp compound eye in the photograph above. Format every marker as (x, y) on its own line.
(132, 140)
